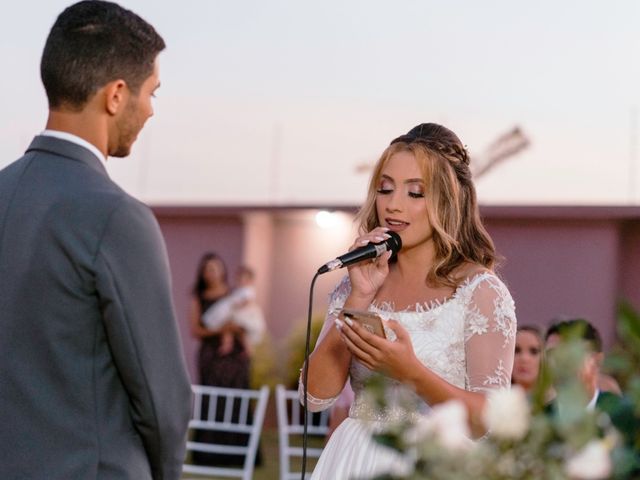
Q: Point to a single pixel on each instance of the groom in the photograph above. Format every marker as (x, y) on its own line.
(92, 377)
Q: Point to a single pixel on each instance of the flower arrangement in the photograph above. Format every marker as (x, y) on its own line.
(527, 439)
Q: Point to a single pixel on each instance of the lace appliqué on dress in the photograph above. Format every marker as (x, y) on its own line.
(477, 323)
(500, 378)
(491, 315)
(466, 339)
(339, 296)
(503, 315)
(315, 404)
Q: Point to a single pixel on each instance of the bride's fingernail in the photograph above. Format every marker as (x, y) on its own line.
(348, 321)
(338, 324)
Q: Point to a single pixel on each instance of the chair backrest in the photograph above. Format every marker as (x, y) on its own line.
(290, 429)
(218, 409)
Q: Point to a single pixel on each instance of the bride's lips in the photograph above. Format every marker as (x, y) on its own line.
(395, 224)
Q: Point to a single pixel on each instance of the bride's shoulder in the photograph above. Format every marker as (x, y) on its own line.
(468, 271)
(472, 275)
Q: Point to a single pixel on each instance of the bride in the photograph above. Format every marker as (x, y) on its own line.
(450, 321)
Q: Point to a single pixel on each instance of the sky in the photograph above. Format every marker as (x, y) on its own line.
(277, 102)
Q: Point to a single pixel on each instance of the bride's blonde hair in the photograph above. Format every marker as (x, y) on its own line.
(458, 233)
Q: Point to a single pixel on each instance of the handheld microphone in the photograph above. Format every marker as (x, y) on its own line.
(371, 250)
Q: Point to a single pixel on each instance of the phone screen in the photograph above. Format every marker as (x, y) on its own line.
(368, 320)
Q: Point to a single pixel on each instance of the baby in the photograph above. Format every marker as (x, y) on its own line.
(239, 308)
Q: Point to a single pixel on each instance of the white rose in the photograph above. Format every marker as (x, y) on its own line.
(591, 463)
(447, 422)
(506, 413)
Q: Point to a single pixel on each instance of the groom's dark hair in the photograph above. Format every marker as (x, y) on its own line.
(92, 43)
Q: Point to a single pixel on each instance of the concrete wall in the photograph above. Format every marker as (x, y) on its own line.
(629, 273)
(187, 238)
(558, 260)
(558, 267)
(301, 248)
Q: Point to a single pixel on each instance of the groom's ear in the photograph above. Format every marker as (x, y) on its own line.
(115, 95)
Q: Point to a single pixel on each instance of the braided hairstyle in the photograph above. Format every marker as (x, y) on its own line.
(458, 233)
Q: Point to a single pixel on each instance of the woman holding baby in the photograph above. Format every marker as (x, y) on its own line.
(223, 359)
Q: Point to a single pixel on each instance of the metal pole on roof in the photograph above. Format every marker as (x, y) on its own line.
(274, 164)
(633, 153)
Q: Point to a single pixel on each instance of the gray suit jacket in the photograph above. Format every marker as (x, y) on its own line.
(93, 383)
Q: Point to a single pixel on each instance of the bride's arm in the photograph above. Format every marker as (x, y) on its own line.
(329, 362)
(489, 343)
(397, 360)
(489, 346)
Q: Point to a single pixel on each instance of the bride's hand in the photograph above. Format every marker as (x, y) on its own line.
(368, 276)
(396, 359)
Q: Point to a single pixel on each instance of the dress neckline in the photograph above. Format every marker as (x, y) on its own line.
(428, 306)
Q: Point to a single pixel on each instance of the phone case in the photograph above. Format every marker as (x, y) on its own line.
(369, 320)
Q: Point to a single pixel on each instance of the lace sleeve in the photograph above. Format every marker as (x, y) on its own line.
(336, 301)
(490, 332)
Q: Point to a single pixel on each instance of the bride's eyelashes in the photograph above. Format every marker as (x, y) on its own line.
(387, 191)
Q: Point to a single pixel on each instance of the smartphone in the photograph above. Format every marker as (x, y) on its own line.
(370, 321)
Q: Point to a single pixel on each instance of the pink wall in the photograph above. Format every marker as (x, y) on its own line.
(629, 277)
(569, 261)
(302, 247)
(558, 260)
(187, 238)
(560, 268)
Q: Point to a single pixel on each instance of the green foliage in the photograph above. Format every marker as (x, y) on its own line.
(295, 345)
(624, 358)
(624, 362)
(270, 366)
(264, 370)
(557, 433)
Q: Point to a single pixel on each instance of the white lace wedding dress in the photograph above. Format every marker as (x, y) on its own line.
(468, 340)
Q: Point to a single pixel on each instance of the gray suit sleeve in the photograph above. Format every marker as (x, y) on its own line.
(133, 282)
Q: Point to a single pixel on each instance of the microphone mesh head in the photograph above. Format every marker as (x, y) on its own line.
(394, 243)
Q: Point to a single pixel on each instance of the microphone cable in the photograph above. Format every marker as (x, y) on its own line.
(305, 373)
